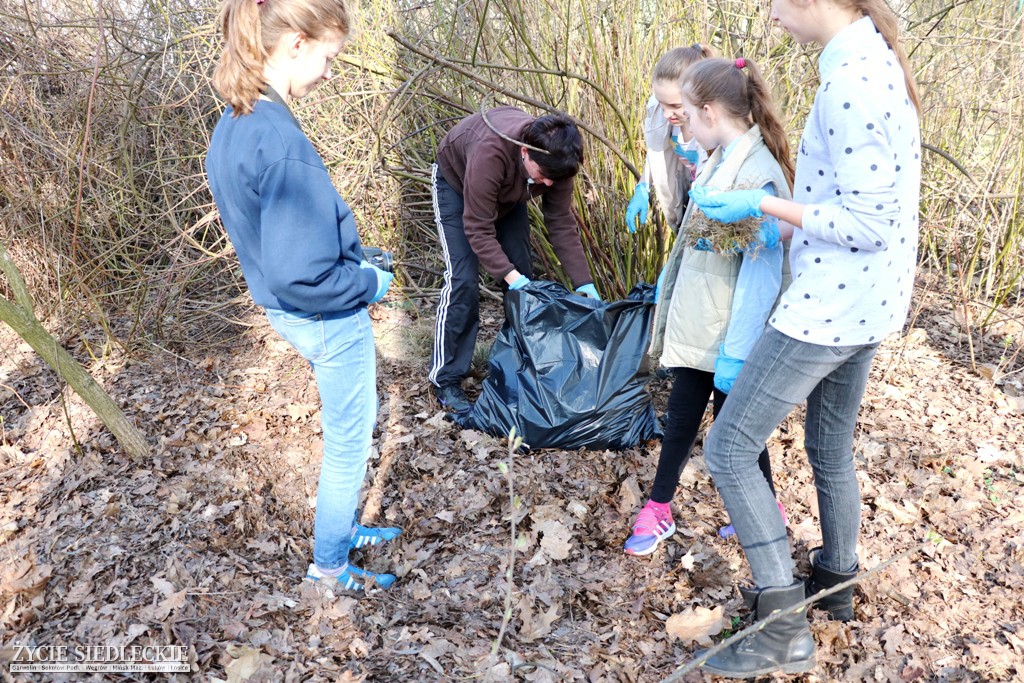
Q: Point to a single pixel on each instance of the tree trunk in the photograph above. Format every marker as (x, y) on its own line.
(21, 319)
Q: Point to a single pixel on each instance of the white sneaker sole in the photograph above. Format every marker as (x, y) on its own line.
(658, 539)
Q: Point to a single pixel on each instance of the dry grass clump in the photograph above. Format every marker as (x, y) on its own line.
(724, 237)
(727, 238)
(740, 236)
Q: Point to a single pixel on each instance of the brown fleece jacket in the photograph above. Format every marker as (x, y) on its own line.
(488, 172)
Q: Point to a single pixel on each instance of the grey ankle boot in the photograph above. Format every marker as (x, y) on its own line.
(838, 605)
(784, 645)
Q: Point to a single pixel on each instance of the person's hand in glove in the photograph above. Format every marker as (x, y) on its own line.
(589, 290)
(727, 369)
(638, 206)
(384, 279)
(702, 244)
(768, 235)
(520, 282)
(728, 207)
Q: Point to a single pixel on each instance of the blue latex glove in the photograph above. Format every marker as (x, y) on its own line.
(384, 279)
(521, 282)
(589, 290)
(702, 244)
(728, 207)
(638, 206)
(727, 369)
(768, 234)
(657, 286)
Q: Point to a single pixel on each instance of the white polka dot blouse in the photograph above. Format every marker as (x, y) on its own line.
(859, 174)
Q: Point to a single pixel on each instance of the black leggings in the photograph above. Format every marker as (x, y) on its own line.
(686, 405)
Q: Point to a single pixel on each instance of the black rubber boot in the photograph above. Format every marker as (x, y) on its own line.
(784, 645)
(838, 605)
(749, 595)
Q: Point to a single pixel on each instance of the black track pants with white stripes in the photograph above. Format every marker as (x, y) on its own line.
(458, 310)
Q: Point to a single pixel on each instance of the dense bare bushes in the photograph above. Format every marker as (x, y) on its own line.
(105, 118)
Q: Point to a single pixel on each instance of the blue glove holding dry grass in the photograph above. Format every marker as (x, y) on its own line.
(589, 290)
(638, 206)
(728, 207)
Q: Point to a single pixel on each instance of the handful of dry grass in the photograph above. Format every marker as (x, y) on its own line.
(727, 238)
(724, 238)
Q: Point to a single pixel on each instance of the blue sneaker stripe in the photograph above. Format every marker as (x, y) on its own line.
(351, 579)
(363, 535)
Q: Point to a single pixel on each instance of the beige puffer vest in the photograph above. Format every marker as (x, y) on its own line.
(695, 304)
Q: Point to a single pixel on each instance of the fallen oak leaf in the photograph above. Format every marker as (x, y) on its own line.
(697, 623)
(629, 495)
(163, 585)
(535, 624)
(556, 539)
(246, 661)
(26, 576)
(895, 640)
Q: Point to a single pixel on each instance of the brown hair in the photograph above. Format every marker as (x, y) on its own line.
(674, 62)
(252, 29)
(888, 25)
(738, 87)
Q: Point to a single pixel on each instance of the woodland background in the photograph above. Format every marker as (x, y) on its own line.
(105, 115)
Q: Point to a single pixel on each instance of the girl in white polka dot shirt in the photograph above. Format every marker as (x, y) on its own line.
(854, 223)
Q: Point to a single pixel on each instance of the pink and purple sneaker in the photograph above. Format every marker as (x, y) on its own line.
(652, 526)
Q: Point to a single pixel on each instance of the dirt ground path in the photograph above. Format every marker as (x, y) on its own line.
(204, 544)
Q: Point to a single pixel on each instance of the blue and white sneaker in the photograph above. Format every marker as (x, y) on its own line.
(352, 578)
(363, 536)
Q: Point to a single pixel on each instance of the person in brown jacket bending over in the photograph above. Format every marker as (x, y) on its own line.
(488, 166)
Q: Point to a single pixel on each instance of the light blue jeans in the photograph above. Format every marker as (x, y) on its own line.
(781, 373)
(339, 346)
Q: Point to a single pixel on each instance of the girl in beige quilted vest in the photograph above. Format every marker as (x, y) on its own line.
(712, 307)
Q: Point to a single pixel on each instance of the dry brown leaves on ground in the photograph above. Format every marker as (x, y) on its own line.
(204, 545)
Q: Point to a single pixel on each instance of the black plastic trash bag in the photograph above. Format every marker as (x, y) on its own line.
(569, 372)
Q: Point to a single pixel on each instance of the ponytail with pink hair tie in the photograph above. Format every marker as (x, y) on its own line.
(740, 63)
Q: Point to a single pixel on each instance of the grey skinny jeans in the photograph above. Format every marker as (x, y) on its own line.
(781, 373)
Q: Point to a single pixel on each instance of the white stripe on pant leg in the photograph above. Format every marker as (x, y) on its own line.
(437, 359)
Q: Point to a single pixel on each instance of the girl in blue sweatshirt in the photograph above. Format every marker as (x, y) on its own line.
(297, 243)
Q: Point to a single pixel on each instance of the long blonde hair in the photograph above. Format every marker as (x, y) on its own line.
(251, 30)
(674, 62)
(738, 87)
